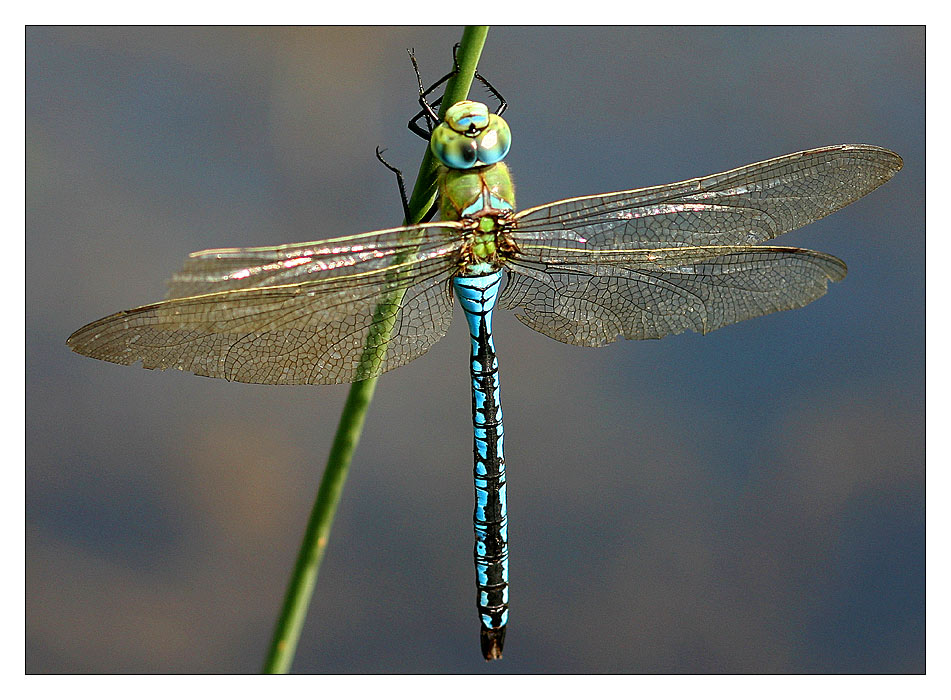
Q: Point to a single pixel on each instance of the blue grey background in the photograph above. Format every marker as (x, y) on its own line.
(748, 501)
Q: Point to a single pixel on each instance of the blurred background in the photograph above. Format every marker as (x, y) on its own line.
(748, 501)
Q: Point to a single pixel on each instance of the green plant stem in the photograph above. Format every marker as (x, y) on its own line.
(301, 585)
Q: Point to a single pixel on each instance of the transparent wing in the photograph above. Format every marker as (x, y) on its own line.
(699, 289)
(224, 269)
(314, 313)
(661, 260)
(744, 206)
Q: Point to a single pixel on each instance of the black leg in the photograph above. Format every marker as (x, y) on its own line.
(428, 110)
(402, 185)
(399, 180)
(424, 133)
(502, 103)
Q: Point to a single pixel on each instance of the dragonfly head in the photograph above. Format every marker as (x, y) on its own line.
(470, 137)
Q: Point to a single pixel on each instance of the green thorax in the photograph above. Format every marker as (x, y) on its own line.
(486, 198)
(463, 193)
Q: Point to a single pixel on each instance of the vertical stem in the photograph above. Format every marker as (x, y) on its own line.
(297, 598)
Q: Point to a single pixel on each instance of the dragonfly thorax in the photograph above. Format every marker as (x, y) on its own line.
(483, 199)
(488, 243)
(470, 137)
(468, 194)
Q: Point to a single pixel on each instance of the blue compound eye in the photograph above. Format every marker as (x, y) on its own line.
(453, 149)
(494, 142)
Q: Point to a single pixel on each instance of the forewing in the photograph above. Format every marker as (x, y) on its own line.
(224, 269)
(331, 328)
(744, 206)
(698, 289)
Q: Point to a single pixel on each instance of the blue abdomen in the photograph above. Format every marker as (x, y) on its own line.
(478, 296)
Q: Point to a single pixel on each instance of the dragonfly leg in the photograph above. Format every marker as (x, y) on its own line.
(402, 185)
(431, 120)
(502, 103)
(399, 181)
(428, 110)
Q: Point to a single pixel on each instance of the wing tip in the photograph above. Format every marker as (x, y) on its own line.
(885, 156)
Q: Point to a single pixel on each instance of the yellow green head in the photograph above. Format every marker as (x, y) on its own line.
(470, 137)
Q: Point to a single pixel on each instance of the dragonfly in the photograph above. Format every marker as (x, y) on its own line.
(635, 264)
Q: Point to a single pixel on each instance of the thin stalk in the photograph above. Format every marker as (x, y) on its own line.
(301, 585)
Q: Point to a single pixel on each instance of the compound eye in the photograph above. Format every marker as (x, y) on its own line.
(452, 149)
(495, 141)
(467, 117)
